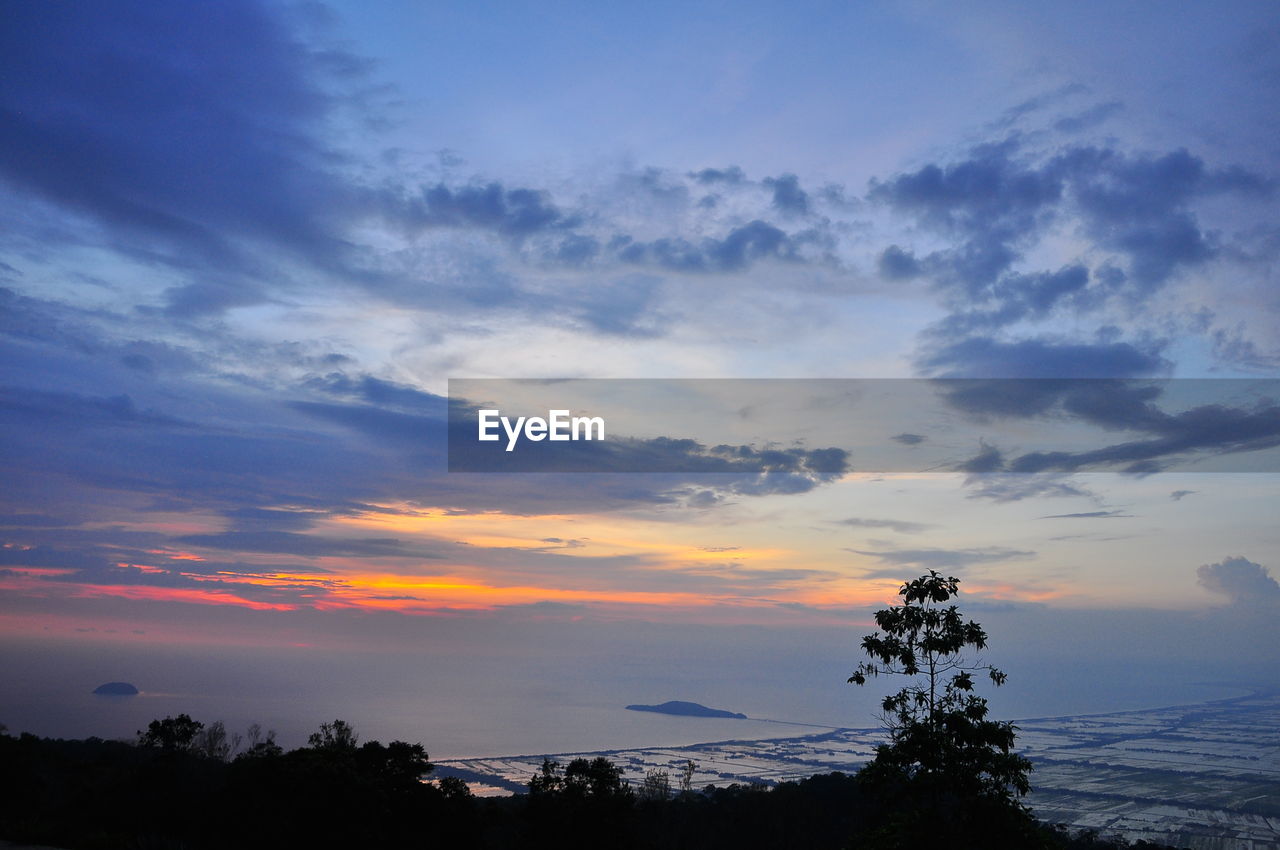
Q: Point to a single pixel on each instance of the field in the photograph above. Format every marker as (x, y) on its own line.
(1203, 776)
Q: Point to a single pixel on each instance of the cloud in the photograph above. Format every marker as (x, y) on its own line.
(1179, 495)
(1200, 430)
(985, 357)
(188, 135)
(788, 197)
(985, 213)
(988, 193)
(273, 519)
(514, 213)
(749, 243)
(941, 559)
(900, 526)
(1138, 205)
(1039, 103)
(1213, 428)
(1089, 118)
(732, 175)
(1243, 582)
(305, 545)
(895, 263)
(769, 467)
(1019, 297)
(908, 439)
(1002, 488)
(999, 199)
(627, 306)
(1090, 515)
(988, 459)
(79, 411)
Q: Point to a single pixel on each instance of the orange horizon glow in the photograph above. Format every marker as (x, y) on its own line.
(756, 574)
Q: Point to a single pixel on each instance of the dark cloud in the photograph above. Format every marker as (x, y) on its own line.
(1140, 205)
(1243, 582)
(658, 185)
(997, 201)
(1018, 297)
(1111, 403)
(908, 439)
(1002, 488)
(988, 192)
(188, 133)
(1090, 515)
(985, 357)
(331, 445)
(740, 247)
(1179, 495)
(1039, 103)
(988, 459)
(992, 206)
(788, 197)
(35, 520)
(772, 467)
(54, 556)
(515, 213)
(380, 393)
(77, 411)
(1212, 428)
(1207, 428)
(990, 201)
(1230, 346)
(895, 263)
(732, 175)
(575, 250)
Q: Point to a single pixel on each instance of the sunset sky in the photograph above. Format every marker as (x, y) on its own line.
(244, 247)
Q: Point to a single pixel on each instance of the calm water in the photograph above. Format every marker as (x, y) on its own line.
(459, 705)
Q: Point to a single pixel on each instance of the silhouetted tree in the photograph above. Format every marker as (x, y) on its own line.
(335, 736)
(454, 788)
(656, 786)
(548, 779)
(589, 805)
(598, 779)
(109, 794)
(947, 769)
(213, 742)
(686, 776)
(260, 745)
(171, 734)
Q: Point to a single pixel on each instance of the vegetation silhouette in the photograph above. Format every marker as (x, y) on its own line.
(171, 734)
(947, 772)
(948, 777)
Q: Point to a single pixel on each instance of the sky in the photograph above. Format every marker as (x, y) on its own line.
(244, 247)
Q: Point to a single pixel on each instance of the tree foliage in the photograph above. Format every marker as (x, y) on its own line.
(173, 734)
(337, 736)
(115, 796)
(946, 766)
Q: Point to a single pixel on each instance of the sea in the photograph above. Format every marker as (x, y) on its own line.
(487, 703)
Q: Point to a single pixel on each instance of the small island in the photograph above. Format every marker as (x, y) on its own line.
(116, 689)
(687, 709)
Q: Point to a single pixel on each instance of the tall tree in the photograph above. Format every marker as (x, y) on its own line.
(947, 769)
(173, 734)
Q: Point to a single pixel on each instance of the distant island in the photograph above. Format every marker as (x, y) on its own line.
(687, 709)
(116, 689)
